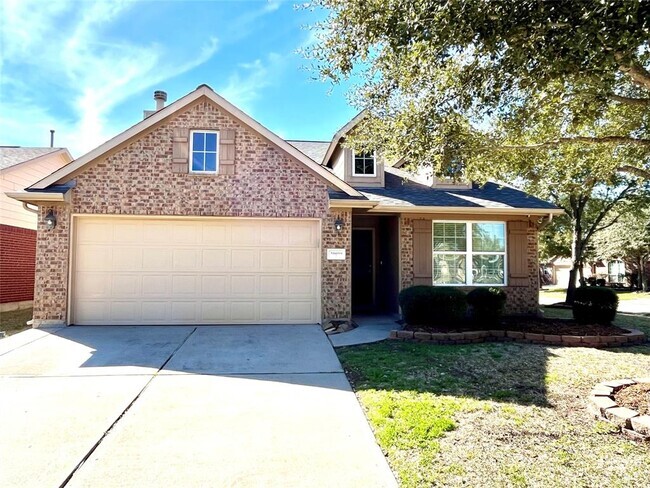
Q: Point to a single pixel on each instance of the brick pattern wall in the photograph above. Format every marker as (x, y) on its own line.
(406, 254)
(52, 251)
(521, 299)
(17, 258)
(138, 180)
(336, 276)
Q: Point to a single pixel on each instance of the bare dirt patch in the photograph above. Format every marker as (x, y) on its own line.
(635, 397)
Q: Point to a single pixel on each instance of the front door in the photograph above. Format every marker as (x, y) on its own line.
(363, 270)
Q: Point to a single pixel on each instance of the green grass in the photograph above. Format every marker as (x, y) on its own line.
(15, 321)
(559, 294)
(497, 414)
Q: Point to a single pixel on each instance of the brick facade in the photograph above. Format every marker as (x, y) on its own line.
(336, 276)
(17, 258)
(521, 299)
(138, 180)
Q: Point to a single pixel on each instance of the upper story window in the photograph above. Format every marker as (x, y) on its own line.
(364, 164)
(204, 151)
(469, 253)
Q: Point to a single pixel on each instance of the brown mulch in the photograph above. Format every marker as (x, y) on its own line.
(636, 397)
(534, 325)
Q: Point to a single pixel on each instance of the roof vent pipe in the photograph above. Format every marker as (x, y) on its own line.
(160, 97)
(51, 137)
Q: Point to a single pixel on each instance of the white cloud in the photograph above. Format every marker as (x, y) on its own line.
(247, 83)
(62, 42)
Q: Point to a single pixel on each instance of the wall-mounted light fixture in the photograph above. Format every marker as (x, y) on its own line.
(50, 220)
(338, 225)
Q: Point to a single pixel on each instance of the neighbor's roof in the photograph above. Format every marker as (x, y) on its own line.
(314, 149)
(13, 155)
(402, 191)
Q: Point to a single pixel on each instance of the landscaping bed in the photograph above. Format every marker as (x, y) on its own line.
(534, 325)
(635, 397)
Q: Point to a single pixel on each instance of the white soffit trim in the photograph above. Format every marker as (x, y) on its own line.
(203, 90)
(341, 133)
(39, 197)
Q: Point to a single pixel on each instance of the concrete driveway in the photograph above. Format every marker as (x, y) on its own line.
(181, 406)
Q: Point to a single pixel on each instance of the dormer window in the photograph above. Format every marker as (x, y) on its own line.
(364, 164)
(203, 151)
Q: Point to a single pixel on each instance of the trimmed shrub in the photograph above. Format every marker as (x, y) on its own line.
(595, 305)
(432, 306)
(487, 304)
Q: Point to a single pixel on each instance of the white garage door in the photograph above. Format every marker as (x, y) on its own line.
(202, 271)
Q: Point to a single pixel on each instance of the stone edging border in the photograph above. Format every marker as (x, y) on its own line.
(634, 337)
(603, 406)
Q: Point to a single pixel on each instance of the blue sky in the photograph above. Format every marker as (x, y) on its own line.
(88, 68)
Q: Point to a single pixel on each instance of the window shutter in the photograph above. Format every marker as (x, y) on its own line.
(227, 152)
(422, 252)
(518, 254)
(180, 151)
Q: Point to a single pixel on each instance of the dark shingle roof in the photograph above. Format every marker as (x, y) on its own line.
(405, 192)
(13, 155)
(314, 149)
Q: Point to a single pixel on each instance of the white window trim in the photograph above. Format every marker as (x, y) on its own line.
(469, 276)
(191, 151)
(374, 166)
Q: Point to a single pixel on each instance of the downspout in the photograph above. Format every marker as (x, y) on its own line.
(543, 222)
(30, 209)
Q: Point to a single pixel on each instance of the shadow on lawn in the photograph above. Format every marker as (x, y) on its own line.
(504, 372)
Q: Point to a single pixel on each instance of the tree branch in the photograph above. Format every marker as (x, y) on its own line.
(588, 140)
(641, 102)
(637, 73)
(640, 172)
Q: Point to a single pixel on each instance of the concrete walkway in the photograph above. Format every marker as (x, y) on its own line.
(182, 406)
(371, 328)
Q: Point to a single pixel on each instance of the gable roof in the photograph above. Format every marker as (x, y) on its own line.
(67, 172)
(404, 193)
(340, 134)
(314, 149)
(11, 156)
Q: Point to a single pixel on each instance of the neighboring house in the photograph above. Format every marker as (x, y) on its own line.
(19, 168)
(200, 215)
(614, 271)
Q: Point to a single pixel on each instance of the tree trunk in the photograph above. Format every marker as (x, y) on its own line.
(581, 273)
(576, 256)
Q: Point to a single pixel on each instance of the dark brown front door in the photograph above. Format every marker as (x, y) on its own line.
(363, 272)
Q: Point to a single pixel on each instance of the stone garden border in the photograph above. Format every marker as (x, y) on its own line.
(603, 406)
(633, 337)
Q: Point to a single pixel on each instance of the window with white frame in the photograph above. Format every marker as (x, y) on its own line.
(204, 146)
(363, 164)
(469, 253)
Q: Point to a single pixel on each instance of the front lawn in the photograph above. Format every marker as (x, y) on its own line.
(498, 414)
(559, 294)
(15, 321)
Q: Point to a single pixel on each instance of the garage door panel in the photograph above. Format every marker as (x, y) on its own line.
(243, 311)
(216, 259)
(215, 285)
(156, 311)
(154, 258)
(126, 258)
(93, 257)
(125, 285)
(273, 259)
(301, 259)
(195, 271)
(244, 259)
(156, 232)
(216, 234)
(156, 285)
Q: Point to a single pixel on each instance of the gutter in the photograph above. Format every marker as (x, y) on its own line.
(36, 198)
